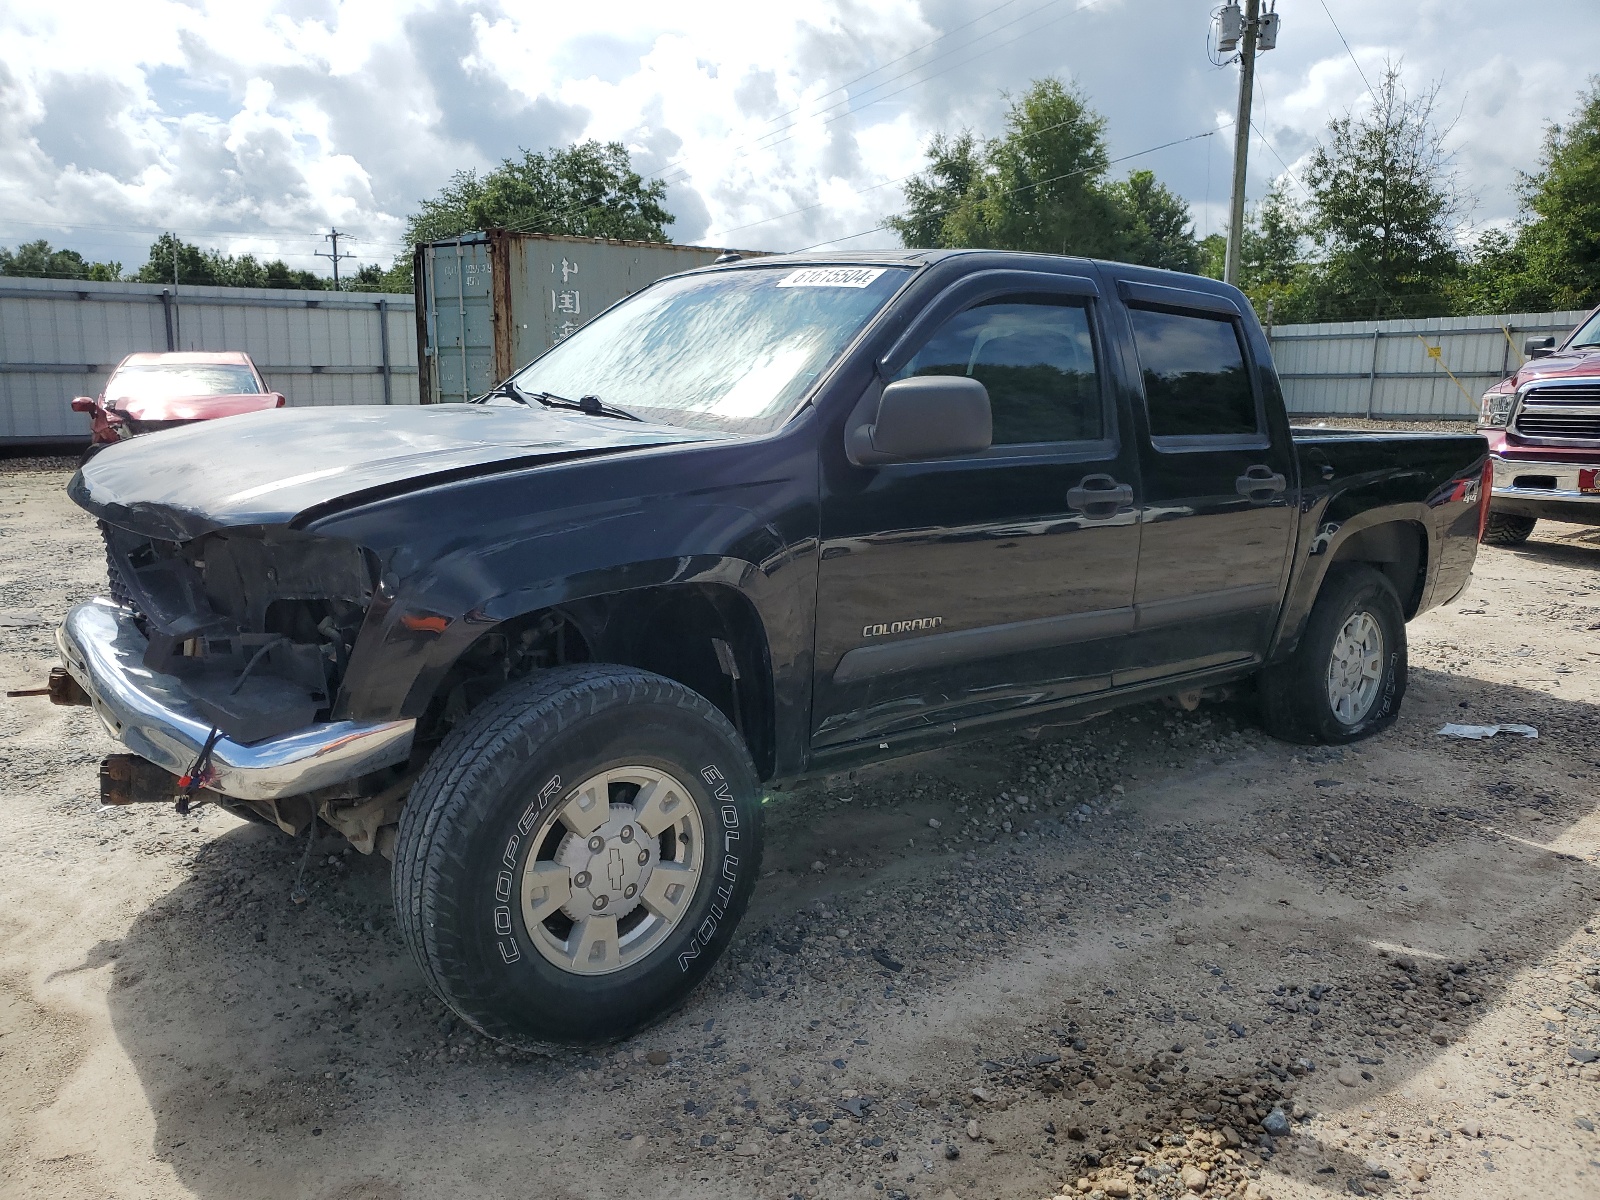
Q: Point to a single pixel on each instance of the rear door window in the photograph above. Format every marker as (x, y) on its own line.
(1196, 382)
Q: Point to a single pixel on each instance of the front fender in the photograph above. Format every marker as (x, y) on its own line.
(412, 638)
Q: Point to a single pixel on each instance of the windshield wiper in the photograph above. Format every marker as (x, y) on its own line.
(510, 391)
(584, 404)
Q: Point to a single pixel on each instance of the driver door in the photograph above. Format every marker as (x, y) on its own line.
(962, 589)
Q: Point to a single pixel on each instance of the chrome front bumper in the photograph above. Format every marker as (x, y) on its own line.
(102, 648)
(1508, 472)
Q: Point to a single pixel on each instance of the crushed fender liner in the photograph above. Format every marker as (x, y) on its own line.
(157, 718)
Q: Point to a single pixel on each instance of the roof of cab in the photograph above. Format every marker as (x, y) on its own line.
(925, 258)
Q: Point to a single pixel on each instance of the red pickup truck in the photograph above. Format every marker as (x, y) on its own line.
(1543, 426)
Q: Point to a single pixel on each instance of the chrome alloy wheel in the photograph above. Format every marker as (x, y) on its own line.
(613, 867)
(1355, 669)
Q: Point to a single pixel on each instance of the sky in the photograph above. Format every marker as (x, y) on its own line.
(256, 127)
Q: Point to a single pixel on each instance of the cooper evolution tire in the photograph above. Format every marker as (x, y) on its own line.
(576, 854)
(1347, 677)
(1507, 529)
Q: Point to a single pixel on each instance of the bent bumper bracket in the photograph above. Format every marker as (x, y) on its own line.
(152, 715)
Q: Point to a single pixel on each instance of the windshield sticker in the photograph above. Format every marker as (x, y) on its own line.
(847, 277)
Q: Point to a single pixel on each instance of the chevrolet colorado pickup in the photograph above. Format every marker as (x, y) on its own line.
(551, 651)
(1543, 426)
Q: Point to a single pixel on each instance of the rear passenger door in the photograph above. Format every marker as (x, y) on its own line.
(1218, 480)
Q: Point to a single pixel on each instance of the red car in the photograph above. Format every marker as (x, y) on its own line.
(1543, 426)
(151, 391)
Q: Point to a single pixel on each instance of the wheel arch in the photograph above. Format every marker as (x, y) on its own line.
(1397, 549)
(1397, 541)
(672, 629)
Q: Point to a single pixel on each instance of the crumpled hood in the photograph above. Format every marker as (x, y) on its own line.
(190, 408)
(267, 468)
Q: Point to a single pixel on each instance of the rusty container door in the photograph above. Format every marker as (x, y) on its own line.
(455, 319)
(546, 287)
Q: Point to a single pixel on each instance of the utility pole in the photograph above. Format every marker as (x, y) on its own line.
(334, 235)
(1249, 32)
(1241, 141)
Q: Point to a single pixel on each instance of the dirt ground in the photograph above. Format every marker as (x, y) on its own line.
(1154, 954)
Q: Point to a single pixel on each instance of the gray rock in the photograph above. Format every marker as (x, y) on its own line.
(1276, 1123)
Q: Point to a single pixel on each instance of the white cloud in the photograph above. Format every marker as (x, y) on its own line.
(254, 125)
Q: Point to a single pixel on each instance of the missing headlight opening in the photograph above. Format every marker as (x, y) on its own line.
(258, 623)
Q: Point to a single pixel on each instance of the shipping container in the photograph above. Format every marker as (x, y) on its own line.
(490, 303)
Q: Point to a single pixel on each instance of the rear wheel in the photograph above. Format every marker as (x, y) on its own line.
(1506, 529)
(576, 854)
(1347, 677)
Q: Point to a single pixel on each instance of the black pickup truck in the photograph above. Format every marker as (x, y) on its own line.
(551, 650)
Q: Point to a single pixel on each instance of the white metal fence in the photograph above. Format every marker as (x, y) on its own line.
(60, 338)
(1433, 367)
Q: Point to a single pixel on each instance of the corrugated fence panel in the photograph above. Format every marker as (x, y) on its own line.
(61, 338)
(1433, 367)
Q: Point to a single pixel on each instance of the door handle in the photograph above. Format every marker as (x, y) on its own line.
(1099, 497)
(1260, 483)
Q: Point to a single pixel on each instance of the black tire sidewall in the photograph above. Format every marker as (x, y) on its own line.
(515, 991)
(1354, 590)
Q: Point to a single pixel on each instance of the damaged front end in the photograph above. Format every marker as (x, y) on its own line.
(258, 623)
(219, 660)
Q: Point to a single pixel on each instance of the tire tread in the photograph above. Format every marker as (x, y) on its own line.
(427, 876)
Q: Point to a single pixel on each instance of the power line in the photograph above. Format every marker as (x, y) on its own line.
(874, 187)
(946, 70)
(531, 223)
(848, 100)
(151, 230)
(857, 79)
(1347, 49)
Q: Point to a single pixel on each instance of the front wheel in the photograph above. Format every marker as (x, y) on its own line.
(1347, 677)
(575, 855)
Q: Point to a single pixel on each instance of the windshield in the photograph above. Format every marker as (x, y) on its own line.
(1588, 333)
(732, 350)
(174, 381)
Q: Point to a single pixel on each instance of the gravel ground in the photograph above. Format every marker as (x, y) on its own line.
(1155, 954)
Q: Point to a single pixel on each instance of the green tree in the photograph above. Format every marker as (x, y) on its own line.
(171, 256)
(1561, 237)
(1495, 277)
(370, 277)
(1383, 208)
(1156, 226)
(1274, 270)
(587, 190)
(1042, 185)
(37, 260)
(955, 164)
(173, 260)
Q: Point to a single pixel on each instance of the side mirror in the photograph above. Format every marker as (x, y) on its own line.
(1535, 347)
(926, 416)
(282, 400)
(83, 404)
